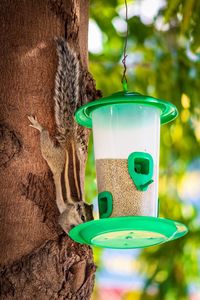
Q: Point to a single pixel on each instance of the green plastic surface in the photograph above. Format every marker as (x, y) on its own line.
(83, 115)
(128, 232)
(105, 203)
(125, 86)
(140, 168)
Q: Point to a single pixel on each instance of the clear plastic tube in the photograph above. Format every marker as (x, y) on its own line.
(118, 131)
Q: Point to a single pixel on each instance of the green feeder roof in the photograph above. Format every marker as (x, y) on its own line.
(128, 232)
(83, 115)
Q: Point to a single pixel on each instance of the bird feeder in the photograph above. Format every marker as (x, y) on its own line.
(126, 134)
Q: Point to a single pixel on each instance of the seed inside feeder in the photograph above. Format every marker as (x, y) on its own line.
(113, 176)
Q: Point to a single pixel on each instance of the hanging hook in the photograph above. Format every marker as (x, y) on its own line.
(124, 78)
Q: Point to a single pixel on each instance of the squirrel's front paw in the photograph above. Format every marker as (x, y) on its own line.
(88, 211)
(34, 123)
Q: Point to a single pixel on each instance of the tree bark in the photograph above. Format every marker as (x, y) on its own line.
(38, 260)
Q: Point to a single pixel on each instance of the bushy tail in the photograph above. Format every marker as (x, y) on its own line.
(66, 88)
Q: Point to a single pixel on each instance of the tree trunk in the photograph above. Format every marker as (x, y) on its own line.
(38, 260)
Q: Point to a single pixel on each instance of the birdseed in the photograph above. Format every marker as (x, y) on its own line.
(113, 176)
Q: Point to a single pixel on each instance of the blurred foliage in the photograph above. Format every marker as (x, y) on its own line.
(164, 61)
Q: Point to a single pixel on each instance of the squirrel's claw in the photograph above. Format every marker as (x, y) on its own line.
(34, 123)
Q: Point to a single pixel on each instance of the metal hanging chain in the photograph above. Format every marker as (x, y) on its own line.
(124, 79)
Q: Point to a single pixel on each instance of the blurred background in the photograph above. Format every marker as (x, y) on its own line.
(163, 61)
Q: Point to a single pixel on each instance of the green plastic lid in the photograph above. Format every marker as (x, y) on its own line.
(83, 115)
(128, 232)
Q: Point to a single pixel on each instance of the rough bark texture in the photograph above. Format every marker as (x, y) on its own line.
(38, 261)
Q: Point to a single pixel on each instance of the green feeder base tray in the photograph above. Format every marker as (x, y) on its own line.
(127, 232)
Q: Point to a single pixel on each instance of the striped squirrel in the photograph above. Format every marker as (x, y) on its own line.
(55, 151)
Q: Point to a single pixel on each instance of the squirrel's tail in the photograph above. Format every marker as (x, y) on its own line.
(66, 88)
